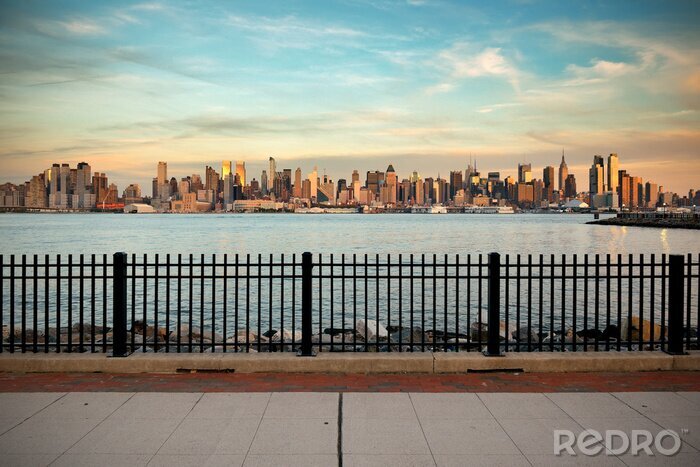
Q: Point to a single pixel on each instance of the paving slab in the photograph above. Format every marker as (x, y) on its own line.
(290, 460)
(602, 405)
(659, 403)
(126, 436)
(230, 405)
(521, 406)
(390, 460)
(198, 460)
(383, 435)
(392, 406)
(112, 460)
(214, 436)
(536, 436)
(80, 405)
(24, 405)
(39, 436)
(449, 406)
(296, 436)
(157, 406)
(302, 405)
(471, 436)
(494, 460)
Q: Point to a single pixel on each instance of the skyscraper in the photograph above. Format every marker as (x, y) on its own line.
(392, 184)
(162, 172)
(297, 183)
(240, 171)
(595, 177)
(225, 169)
(524, 173)
(313, 178)
(563, 172)
(272, 173)
(613, 167)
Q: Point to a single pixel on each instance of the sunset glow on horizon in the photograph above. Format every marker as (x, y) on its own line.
(351, 84)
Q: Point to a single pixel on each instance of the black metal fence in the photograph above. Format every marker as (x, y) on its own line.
(351, 303)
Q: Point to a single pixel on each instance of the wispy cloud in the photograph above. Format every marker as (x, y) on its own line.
(461, 62)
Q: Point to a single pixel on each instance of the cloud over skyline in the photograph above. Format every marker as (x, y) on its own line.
(350, 84)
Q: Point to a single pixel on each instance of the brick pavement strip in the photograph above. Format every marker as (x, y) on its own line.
(304, 382)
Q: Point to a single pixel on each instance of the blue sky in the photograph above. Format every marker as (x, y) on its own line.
(350, 84)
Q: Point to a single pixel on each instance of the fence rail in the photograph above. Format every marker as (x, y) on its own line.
(353, 303)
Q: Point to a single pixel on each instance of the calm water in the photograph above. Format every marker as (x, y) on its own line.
(272, 304)
(288, 233)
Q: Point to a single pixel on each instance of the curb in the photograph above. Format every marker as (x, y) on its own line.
(348, 363)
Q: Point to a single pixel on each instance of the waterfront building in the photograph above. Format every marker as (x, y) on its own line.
(225, 169)
(651, 194)
(264, 183)
(35, 196)
(456, 182)
(595, 177)
(548, 180)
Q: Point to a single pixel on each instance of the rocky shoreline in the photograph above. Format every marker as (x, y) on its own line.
(662, 223)
(381, 338)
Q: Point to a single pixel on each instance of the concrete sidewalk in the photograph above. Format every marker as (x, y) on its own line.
(307, 429)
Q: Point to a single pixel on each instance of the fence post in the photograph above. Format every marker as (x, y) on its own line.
(676, 281)
(493, 346)
(306, 328)
(119, 303)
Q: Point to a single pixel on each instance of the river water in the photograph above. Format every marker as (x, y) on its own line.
(343, 233)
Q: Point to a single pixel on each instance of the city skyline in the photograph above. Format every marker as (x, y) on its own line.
(344, 84)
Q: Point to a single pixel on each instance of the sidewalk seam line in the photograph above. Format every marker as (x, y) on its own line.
(257, 428)
(420, 425)
(175, 429)
(93, 428)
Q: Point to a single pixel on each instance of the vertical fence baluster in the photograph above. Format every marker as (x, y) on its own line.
(58, 303)
(529, 306)
(179, 303)
(224, 303)
(259, 315)
(664, 329)
(585, 301)
(133, 299)
(640, 337)
(23, 344)
(480, 276)
(607, 300)
(47, 284)
(201, 301)
(167, 302)
(156, 286)
(144, 322)
(619, 302)
(190, 316)
(213, 303)
(456, 280)
(676, 284)
(270, 270)
(541, 313)
(422, 303)
(282, 276)
(306, 307)
(119, 306)
(630, 286)
(411, 304)
(354, 299)
(563, 303)
(69, 340)
(342, 303)
(494, 305)
(35, 305)
(445, 323)
(652, 298)
(688, 298)
(104, 302)
(81, 313)
(401, 303)
(507, 301)
(247, 305)
(597, 300)
(574, 298)
(376, 294)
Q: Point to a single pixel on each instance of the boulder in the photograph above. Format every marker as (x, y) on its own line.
(632, 328)
(368, 330)
(286, 335)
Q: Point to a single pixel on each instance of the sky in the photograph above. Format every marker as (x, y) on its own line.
(350, 84)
